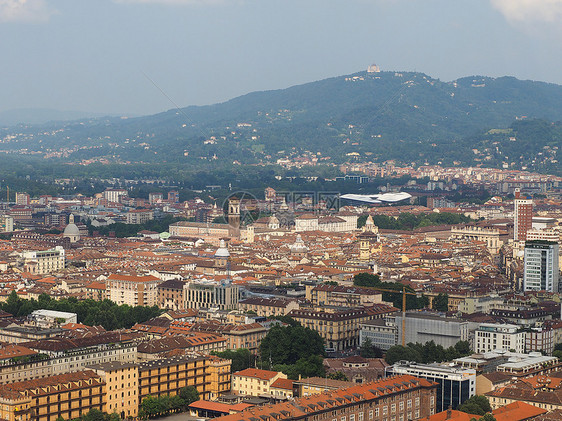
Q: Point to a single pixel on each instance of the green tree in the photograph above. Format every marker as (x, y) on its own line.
(441, 302)
(288, 344)
(366, 280)
(241, 358)
(398, 353)
(189, 394)
(476, 405)
(368, 350)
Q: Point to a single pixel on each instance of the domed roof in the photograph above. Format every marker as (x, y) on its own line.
(222, 251)
(71, 229)
(298, 246)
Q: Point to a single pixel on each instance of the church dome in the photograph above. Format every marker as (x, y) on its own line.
(71, 231)
(222, 251)
(298, 246)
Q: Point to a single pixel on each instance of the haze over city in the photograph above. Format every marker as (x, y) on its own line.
(142, 56)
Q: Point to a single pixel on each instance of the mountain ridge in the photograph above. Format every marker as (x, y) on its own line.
(406, 116)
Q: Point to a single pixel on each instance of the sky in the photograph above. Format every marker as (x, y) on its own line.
(135, 57)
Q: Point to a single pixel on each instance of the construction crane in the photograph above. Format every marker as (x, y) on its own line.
(404, 293)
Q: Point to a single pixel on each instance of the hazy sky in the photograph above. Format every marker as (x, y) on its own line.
(98, 55)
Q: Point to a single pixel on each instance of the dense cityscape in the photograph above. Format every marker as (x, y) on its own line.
(292, 305)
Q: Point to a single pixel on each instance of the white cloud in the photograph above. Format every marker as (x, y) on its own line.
(25, 11)
(530, 10)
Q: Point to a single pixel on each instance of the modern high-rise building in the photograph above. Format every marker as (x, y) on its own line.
(523, 217)
(541, 270)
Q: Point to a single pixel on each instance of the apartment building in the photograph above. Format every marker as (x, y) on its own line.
(59, 356)
(64, 396)
(120, 387)
(220, 378)
(255, 382)
(6, 223)
(132, 290)
(340, 328)
(490, 337)
(398, 398)
(267, 307)
(342, 296)
(248, 335)
(170, 294)
(167, 376)
(138, 216)
(541, 267)
(40, 262)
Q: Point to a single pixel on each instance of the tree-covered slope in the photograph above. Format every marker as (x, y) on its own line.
(406, 116)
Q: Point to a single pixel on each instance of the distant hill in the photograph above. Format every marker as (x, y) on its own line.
(41, 116)
(406, 116)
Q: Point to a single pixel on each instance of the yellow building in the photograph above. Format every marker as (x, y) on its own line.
(219, 371)
(255, 382)
(66, 395)
(167, 376)
(121, 387)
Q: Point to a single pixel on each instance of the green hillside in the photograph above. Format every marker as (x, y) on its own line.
(405, 116)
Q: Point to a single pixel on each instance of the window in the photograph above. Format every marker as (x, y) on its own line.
(376, 412)
(401, 405)
(385, 410)
(371, 413)
(393, 408)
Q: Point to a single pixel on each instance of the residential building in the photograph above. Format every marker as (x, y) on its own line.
(317, 385)
(170, 294)
(267, 307)
(540, 391)
(482, 304)
(541, 267)
(219, 371)
(539, 339)
(455, 384)
(356, 368)
(523, 214)
(121, 387)
(340, 327)
(22, 199)
(343, 296)
(490, 337)
(65, 396)
(114, 195)
(132, 290)
(139, 216)
(41, 262)
(399, 398)
(255, 382)
(167, 376)
(6, 223)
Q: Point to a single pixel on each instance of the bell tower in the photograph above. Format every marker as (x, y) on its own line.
(234, 212)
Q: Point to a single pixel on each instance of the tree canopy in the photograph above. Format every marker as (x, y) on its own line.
(89, 312)
(426, 353)
(476, 405)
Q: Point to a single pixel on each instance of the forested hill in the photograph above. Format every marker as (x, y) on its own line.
(406, 116)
